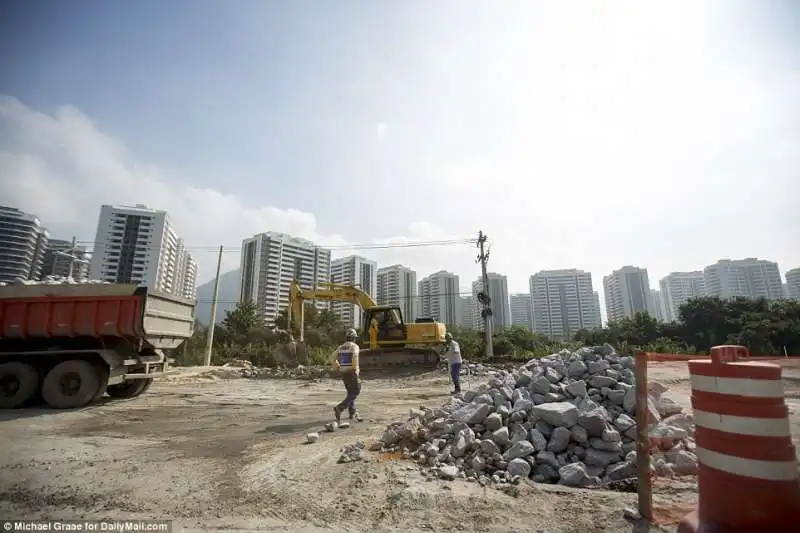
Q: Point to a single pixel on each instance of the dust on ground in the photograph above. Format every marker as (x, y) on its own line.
(211, 452)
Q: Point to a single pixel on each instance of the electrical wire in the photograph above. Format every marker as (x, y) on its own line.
(238, 248)
(440, 295)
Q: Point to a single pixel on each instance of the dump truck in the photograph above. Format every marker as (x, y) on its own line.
(398, 343)
(70, 344)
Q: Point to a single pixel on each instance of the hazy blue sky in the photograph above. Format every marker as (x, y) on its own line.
(576, 134)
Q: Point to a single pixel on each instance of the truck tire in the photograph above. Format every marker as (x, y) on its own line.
(129, 389)
(71, 384)
(18, 384)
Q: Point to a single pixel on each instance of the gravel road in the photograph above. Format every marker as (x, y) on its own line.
(212, 452)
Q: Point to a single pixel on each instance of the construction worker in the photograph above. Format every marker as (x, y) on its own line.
(373, 334)
(345, 360)
(453, 354)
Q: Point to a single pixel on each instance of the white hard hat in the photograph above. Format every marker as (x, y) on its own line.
(350, 333)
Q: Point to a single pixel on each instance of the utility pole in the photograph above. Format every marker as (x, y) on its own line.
(210, 338)
(72, 254)
(486, 312)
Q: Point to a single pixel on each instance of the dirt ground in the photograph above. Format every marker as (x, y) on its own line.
(213, 453)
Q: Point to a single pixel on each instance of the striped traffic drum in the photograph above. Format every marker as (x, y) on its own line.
(748, 475)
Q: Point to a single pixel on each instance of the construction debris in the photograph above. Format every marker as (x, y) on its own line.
(311, 438)
(567, 418)
(352, 453)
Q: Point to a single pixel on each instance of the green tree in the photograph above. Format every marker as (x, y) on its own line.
(242, 318)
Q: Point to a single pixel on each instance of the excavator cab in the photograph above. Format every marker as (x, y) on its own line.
(391, 327)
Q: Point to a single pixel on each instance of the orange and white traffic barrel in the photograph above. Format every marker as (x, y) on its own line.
(748, 474)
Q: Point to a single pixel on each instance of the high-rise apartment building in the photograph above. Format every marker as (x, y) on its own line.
(793, 284)
(747, 278)
(186, 273)
(499, 302)
(23, 242)
(657, 305)
(359, 272)
(677, 288)
(397, 286)
(269, 263)
(627, 292)
(522, 311)
(440, 298)
(470, 316)
(136, 244)
(563, 303)
(57, 264)
(598, 312)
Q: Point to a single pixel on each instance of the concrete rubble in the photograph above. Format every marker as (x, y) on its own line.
(567, 418)
(352, 453)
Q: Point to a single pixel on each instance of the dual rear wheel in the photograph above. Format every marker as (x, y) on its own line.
(69, 384)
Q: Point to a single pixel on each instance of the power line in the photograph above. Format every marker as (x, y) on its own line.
(238, 249)
(309, 300)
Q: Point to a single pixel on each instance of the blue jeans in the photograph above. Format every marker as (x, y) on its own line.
(352, 385)
(455, 373)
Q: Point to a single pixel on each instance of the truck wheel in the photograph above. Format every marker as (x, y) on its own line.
(70, 384)
(129, 389)
(18, 384)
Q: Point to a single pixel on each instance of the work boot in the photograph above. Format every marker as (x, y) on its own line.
(337, 411)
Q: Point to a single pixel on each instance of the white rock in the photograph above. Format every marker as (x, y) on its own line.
(574, 475)
(448, 472)
(473, 413)
(519, 449)
(519, 467)
(493, 422)
(557, 414)
(311, 438)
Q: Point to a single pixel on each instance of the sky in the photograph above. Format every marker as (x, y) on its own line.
(580, 134)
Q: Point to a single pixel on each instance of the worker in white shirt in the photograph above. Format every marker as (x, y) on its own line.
(453, 354)
(345, 360)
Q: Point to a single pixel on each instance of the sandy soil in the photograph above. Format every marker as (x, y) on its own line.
(212, 453)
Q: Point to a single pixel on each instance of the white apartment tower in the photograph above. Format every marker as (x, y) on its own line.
(186, 273)
(563, 303)
(397, 286)
(135, 244)
(359, 272)
(657, 305)
(23, 242)
(598, 313)
(470, 315)
(793, 284)
(59, 265)
(499, 302)
(522, 311)
(269, 263)
(627, 292)
(677, 288)
(439, 297)
(747, 278)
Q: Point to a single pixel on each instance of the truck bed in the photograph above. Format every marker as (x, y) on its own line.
(95, 310)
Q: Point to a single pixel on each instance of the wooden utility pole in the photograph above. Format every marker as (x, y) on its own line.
(210, 338)
(483, 257)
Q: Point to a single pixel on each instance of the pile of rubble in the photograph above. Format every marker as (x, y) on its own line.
(248, 370)
(567, 418)
(55, 280)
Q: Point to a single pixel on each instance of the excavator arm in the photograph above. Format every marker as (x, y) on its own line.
(327, 291)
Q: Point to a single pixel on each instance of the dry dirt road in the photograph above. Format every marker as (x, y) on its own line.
(212, 453)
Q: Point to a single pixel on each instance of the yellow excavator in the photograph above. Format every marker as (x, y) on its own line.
(398, 343)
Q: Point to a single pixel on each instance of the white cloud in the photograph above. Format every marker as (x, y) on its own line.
(576, 135)
(62, 168)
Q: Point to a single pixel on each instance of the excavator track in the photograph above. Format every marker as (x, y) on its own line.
(388, 358)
